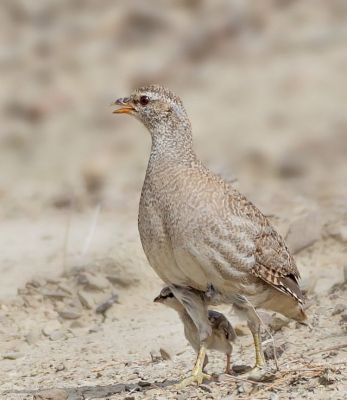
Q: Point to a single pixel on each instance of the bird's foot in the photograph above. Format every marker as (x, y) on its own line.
(260, 373)
(197, 377)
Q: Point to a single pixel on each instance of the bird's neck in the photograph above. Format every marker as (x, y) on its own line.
(172, 143)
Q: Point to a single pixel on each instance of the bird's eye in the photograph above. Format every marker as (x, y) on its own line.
(170, 295)
(144, 100)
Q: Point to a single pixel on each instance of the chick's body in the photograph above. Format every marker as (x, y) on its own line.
(222, 332)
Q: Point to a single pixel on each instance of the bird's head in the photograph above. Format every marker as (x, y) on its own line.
(155, 106)
(167, 298)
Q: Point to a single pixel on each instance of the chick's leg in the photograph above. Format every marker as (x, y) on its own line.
(197, 376)
(228, 369)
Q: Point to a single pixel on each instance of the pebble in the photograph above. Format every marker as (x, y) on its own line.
(57, 335)
(70, 313)
(205, 388)
(269, 351)
(33, 336)
(52, 394)
(96, 282)
(86, 299)
(338, 309)
(344, 317)
(50, 327)
(273, 396)
(104, 306)
(13, 355)
(277, 322)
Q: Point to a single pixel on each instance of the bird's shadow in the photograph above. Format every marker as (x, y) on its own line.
(101, 391)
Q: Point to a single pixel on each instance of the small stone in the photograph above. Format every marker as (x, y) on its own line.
(241, 330)
(144, 383)
(12, 355)
(104, 306)
(52, 394)
(273, 396)
(86, 299)
(164, 354)
(70, 313)
(269, 352)
(343, 317)
(56, 295)
(240, 388)
(60, 367)
(278, 322)
(50, 327)
(57, 335)
(33, 336)
(96, 282)
(338, 309)
(205, 388)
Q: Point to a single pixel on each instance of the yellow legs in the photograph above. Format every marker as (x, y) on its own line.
(197, 376)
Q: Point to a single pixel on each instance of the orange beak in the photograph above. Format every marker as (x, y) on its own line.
(125, 108)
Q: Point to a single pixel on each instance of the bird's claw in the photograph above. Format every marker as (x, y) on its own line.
(197, 377)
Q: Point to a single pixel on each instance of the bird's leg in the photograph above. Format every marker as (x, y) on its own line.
(259, 355)
(260, 372)
(197, 376)
(228, 369)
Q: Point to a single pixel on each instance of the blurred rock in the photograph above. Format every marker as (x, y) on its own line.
(51, 394)
(86, 299)
(104, 306)
(304, 232)
(70, 313)
(278, 322)
(269, 351)
(50, 327)
(95, 282)
(33, 336)
(12, 355)
(338, 309)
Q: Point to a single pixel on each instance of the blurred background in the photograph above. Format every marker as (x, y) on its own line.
(264, 83)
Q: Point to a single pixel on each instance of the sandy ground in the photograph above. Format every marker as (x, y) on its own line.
(265, 89)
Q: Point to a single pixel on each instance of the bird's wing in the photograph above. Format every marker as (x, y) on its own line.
(273, 261)
(221, 323)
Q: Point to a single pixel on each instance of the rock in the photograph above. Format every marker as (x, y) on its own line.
(241, 330)
(50, 327)
(86, 299)
(12, 355)
(278, 322)
(269, 351)
(240, 388)
(273, 396)
(104, 306)
(303, 232)
(70, 313)
(205, 388)
(57, 335)
(164, 354)
(343, 317)
(52, 394)
(33, 336)
(56, 295)
(339, 232)
(96, 282)
(338, 309)
(144, 383)
(122, 282)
